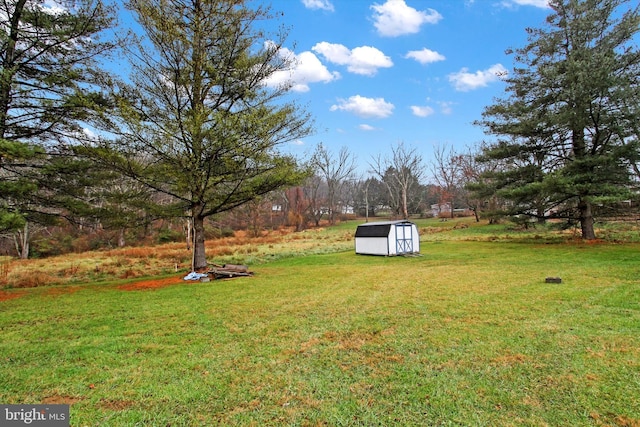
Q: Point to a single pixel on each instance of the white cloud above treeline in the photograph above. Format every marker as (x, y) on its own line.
(543, 4)
(395, 18)
(365, 107)
(318, 4)
(422, 111)
(425, 56)
(464, 81)
(363, 60)
(446, 107)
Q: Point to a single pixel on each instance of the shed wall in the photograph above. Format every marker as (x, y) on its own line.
(372, 245)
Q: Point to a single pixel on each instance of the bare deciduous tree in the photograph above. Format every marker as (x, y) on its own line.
(336, 170)
(447, 172)
(399, 173)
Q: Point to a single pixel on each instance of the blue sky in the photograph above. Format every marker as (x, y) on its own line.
(374, 73)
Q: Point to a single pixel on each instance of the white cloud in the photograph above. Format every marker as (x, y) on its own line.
(364, 60)
(318, 4)
(365, 107)
(395, 18)
(366, 128)
(464, 81)
(446, 107)
(543, 4)
(53, 7)
(306, 69)
(422, 111)
(425, 56)
(336, 53)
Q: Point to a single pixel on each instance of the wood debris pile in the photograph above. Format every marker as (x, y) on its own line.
(228, 271)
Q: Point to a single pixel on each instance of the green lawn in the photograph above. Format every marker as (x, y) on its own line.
(467, 334)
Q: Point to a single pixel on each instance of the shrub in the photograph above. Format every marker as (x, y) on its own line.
(167, 235)
(219, 232)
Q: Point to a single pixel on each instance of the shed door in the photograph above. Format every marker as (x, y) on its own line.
(404, 239)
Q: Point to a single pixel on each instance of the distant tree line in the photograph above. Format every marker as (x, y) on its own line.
(184, 141)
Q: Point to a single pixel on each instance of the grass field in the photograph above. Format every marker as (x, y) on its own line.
(468, 334)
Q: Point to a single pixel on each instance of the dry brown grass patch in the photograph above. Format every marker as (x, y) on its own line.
(32, 279)
(132, 262)
(131, 273)
(116, 405)
(60, 400)
(510, 359)
(5, 268)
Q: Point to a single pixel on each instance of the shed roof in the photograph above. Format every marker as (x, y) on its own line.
(377, 229)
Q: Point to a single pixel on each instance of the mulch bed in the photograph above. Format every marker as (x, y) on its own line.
(152, 284)
(5, 296)
(134, 286)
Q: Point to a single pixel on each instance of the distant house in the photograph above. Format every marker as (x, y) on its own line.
(441, 209)
(347, 210)
(387, 238)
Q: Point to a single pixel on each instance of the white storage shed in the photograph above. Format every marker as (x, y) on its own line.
(387, 238)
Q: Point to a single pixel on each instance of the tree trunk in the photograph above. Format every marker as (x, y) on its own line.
(21, 239)
(199, 260)
(332, 218)
(405, 210)
(188, 233)
(25, 242)
(541, 216)
(586, 220)
(6, 79)
(121, 239)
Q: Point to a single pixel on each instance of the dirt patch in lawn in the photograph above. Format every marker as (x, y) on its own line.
(152, 284)
(134, 286)
(116, 405)
(5, 296)
(60, 400)
(62, 290)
